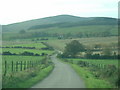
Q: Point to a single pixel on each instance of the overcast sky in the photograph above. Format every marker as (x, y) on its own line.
(13, 11)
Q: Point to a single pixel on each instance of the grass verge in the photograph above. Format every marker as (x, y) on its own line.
(90, 80)
(28, 78)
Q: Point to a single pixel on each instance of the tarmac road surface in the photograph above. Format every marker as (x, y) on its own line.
(63, 76)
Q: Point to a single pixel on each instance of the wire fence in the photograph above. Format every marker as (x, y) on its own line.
(16, 66)
(93, 65)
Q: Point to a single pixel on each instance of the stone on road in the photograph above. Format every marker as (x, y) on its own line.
(63, 76)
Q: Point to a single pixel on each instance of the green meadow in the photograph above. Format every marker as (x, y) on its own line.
(91, 42)
(48, 35)
(18, 51)
(24, 69)
(98, 61)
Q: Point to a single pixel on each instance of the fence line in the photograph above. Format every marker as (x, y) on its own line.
(15, 66)
(89, 64)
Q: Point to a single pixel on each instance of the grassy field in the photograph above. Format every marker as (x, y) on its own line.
(27, 78)
(15, 59)
(30, 44)
(23, 71)
(39, 72)
(18, 51)
(34, 69)
(82, 29)
(89, 29)
(90, 80)
(60, 44)
(98, 61)
(37, 46)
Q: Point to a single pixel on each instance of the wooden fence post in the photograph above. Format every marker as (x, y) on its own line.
(12, 66)
(21, 66)
(5, 68)
(16, 66)
(30, 64)
(24, 65)
(27, 64)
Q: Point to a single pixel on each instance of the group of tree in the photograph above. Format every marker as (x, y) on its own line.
(45, 48)
(74, 48)
(19, 47)
(24, 34)
(25, 53)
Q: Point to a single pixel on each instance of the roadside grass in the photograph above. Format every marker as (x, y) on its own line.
(93, 77)
(28, 78)
(90, 80)
(40, 76)
(97, 61)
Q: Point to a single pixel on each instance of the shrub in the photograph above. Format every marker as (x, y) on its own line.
(27, 53)
(7, 53)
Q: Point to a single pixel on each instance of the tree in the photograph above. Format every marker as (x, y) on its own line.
(73, 48)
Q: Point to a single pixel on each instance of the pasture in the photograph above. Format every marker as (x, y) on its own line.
(36, 67)
(80, 29)
(18, 51)
(23, 44)
(9, 63)
(24, 68)
(60, 44)
(96, 62)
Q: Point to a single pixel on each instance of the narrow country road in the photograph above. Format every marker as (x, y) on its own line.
(63, 76)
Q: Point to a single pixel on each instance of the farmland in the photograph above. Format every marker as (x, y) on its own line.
(17, 51)
(93, 71)
(31, 50)
(60, 44)
(15, 59)
(96, 62)
(29, 45)
(19, 47)
(29, 66)
(82, 29)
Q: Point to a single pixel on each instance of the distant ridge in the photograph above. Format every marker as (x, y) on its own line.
(61, 21)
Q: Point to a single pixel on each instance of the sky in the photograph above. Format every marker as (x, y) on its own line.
(13, 11)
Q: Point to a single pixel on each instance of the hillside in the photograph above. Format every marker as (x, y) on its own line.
(48, 20)
(59, 21)
(65, 26)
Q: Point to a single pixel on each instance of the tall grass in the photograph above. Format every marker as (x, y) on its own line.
(26, 79)
(90, 80)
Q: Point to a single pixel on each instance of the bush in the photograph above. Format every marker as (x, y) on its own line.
(8, 53)
(37, 54)
(27, 53)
